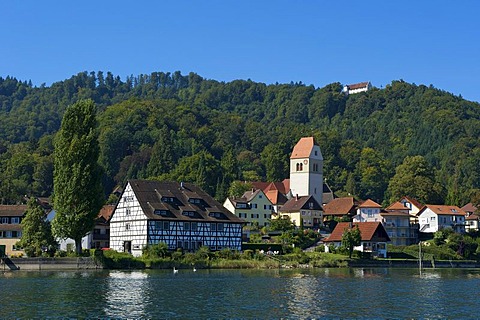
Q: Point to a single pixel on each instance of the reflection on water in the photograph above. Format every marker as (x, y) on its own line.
(126, 296)
(242, 294)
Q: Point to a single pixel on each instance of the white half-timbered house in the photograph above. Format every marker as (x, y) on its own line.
(178, 214)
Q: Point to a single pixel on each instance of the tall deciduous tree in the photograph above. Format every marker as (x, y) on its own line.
(415, 178)
(36, 231)
(78, 192)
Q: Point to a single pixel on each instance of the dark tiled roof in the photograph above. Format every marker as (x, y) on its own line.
(370, 231)
(13, 210)
(358, 85)
(149, 194)
(295, 204)
(394, 213)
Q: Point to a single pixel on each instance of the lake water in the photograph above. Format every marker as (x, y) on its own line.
(242, 294)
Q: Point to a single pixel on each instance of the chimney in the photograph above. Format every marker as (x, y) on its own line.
(296, 197)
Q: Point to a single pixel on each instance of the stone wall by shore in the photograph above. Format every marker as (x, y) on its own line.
(52, 263)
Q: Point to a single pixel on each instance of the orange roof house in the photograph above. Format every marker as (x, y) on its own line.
(434, 217)
(345, 206)
(373, 234)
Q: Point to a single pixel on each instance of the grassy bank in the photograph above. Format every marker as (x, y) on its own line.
(221, 260)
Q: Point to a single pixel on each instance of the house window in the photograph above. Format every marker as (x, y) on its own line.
(186, 226)
(166, 225)
(432, 219)
(194, 226)
(310, 205)
(15, 220)
(4, 220)
(127, 226)
(220, 227)
(128, 198)
(254, 205)
(213, 227)
(260, 196)
(127, 211)
(159, 225)
(14, 234)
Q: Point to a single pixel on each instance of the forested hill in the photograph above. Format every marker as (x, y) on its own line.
(403, 139)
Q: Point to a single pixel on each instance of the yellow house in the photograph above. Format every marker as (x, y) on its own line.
(10, 228)
(303, 209)
(253, 207)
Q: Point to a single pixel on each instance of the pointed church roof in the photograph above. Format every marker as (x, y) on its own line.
(303, 148)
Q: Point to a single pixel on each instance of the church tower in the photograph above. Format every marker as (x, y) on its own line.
(306, 169)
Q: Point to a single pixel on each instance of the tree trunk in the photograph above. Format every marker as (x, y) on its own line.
(78, 246)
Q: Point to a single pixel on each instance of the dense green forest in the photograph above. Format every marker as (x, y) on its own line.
(403, 139)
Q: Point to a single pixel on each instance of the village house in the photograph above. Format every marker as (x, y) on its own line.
(373, 234)
(356, 87)
(276, 192)
(396, 220)
(181, 215)
(303, 210)
(368, 211)
(98, 238)
(472, 217)
(254, 207)
(345, 207)
(436, 217)
(10, 228)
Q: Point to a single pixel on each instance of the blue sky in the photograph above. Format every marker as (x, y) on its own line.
(315, 42)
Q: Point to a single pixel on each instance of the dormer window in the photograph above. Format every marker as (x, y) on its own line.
(188, 213)
(160, 212)
(453, 210)
(194, 200)
(168, 199)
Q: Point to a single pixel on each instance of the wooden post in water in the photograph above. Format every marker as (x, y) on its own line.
(420, 256)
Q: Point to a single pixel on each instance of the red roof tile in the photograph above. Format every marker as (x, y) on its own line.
(444, 210)
(340, 206)
(369, 204)
(358, 85)
(303, 148)
(369, 231)
(397, 206)
(469, 207)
